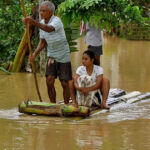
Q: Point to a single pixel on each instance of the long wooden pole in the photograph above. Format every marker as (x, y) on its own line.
(30, 50)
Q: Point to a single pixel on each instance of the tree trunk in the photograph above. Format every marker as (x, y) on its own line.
(20, 54)
(23, 47)
(43, 52)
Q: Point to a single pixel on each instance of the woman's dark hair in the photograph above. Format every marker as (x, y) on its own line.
(91, 55)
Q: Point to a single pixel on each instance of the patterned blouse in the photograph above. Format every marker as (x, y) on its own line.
(97, 70)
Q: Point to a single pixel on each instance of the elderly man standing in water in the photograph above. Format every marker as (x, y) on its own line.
(52, 36)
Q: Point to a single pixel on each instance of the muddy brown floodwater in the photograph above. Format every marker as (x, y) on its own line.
(126, 64)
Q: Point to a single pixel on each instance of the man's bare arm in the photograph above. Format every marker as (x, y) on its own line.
(40, 47)
(42, 44)
(45, 27)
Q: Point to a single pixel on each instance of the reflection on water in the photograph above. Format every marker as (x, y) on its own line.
(20, 86)
(125, 63)
(129, 63)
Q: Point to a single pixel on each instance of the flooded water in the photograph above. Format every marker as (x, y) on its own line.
(124, 127)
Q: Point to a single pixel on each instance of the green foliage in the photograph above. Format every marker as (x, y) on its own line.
(106, 13)
(144, 5)
(4, 70)
(57, 2)
(72, 33)
(72, 30)
(11, 28)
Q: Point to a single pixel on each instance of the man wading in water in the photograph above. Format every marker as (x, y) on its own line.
(53, 37)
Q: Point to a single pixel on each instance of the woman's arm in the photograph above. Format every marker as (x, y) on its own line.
(86, 90)
(97, 85)
(76, 83)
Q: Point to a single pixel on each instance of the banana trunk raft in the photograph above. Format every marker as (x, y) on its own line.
(51, 109)
(60, 109)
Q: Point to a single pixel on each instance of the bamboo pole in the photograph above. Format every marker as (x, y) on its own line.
(30, 50)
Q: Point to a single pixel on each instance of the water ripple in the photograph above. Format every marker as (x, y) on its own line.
(9, 114)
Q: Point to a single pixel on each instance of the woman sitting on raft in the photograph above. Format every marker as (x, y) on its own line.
(96, 74)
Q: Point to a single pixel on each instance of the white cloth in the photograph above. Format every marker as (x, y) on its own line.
(97, 70)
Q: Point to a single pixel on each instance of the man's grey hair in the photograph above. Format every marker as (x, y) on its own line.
(50, 5)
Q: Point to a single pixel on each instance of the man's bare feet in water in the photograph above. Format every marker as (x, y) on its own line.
(104, 106)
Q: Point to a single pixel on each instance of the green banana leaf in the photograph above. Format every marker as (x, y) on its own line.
(4, 70)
